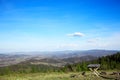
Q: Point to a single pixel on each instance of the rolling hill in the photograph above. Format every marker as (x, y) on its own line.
(57, 58)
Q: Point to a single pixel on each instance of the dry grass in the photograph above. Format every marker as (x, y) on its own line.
(53, 76)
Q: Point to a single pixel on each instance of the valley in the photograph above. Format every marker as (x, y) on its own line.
(57, 58)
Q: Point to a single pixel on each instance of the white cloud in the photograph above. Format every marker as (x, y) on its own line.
(94, 40)
(108, 42)
(76, 34)
(69, 45)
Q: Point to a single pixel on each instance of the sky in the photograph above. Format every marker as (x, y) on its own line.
(50, 25)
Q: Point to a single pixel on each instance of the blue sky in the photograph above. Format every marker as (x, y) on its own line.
(47, 25)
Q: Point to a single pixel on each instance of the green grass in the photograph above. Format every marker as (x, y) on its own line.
(52, 76)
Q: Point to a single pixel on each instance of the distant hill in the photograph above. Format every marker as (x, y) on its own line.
(95, 53)
(73, 60)
(56, 58)
(10, 59)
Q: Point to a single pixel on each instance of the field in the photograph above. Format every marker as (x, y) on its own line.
(57, 76)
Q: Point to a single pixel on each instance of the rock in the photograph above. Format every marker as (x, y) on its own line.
(103, 73)
(83, 73)
(73, 76)
(115, 73)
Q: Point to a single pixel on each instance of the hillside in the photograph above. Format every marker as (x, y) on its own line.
(51, 58)
(109, 62)
(10, 59)
(73, 60)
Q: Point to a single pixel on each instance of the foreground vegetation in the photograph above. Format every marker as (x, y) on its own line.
(57, 76)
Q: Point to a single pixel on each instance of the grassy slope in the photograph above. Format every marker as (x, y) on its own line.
(51, 76)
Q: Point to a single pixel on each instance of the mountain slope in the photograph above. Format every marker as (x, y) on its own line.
(56, 58)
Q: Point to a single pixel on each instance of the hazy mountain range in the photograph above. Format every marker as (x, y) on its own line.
(55, 58)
